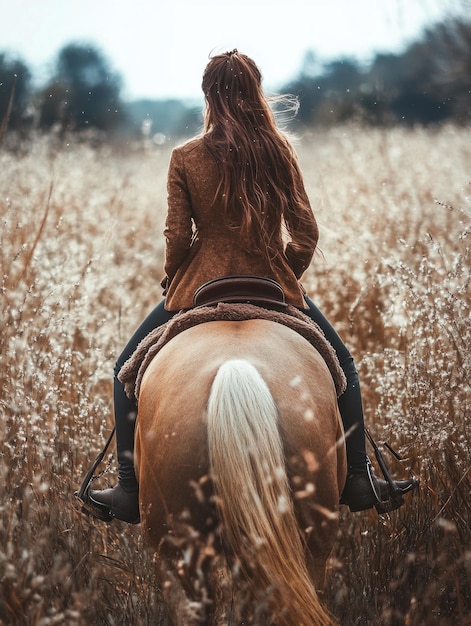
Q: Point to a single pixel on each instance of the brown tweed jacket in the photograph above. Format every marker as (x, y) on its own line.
(201, 245)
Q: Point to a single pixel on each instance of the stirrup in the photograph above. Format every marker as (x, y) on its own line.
(396, 495)
(395, 500)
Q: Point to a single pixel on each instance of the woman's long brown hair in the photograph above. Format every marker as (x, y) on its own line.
(261, 184)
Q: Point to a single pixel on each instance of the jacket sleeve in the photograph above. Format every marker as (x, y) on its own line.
(304, 233)
(178, 225)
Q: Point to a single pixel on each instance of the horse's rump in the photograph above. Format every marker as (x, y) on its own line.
(172, 452)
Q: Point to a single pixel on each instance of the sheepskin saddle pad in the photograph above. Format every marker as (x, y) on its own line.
(133, 370)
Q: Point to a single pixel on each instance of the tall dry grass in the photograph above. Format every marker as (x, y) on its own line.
(81, 258)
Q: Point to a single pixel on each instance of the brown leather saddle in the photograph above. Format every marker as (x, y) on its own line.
(264, 292)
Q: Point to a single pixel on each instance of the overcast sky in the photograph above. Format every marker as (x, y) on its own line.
(160, 47)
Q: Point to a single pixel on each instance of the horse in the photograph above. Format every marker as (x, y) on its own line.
(240, 459)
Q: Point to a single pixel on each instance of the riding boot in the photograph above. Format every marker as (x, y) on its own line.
(122, 500)
(363, 490)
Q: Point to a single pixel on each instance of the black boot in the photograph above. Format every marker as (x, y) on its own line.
(118, 502)
(122, 500)
(364, 490)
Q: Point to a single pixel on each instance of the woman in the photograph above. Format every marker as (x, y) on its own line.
(231, 192)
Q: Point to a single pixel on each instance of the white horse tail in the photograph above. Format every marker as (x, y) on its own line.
(253, 494)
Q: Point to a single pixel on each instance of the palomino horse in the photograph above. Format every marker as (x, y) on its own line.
(247, 410)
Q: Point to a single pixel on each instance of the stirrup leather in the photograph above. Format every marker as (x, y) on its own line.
(88, 507)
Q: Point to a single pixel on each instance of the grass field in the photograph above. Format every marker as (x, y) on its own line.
(81, 255)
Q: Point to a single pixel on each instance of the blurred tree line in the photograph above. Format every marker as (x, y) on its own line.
(428, 83)
(83, 96)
